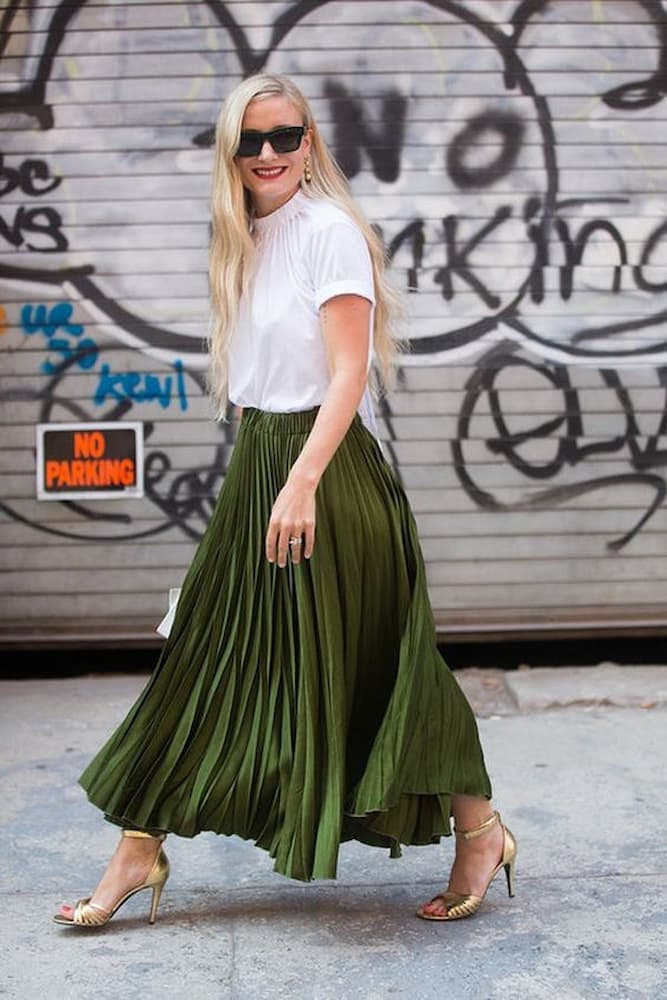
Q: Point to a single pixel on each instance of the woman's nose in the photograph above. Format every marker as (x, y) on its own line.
(267, 151)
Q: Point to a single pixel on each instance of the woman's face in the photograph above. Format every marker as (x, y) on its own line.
(272, 178)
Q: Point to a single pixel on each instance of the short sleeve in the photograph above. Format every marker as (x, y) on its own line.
(340, 263)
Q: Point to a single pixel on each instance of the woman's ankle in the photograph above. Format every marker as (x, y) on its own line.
(472, 813)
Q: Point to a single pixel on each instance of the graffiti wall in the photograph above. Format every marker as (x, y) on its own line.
(513, 154)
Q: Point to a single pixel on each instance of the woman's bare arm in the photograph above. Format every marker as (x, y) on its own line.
(345, 325)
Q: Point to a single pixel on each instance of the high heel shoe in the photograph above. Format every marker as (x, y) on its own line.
(460, 905)
(87, 914)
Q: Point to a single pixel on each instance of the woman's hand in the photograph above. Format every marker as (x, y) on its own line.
(292, 516)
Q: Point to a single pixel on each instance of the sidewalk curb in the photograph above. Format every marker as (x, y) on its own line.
(536, 689)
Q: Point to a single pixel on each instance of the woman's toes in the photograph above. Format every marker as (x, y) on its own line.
(435, 908)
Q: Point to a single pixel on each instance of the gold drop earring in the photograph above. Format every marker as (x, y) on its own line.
(307, 173)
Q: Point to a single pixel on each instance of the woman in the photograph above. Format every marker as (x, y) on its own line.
(300, 700)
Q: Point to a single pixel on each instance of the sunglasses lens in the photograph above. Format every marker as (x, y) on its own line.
(283, 140)
(250, 144)
(286, 140)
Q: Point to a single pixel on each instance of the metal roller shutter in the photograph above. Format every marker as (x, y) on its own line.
(514, 155)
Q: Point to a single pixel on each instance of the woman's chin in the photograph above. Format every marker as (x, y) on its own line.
(268, 197)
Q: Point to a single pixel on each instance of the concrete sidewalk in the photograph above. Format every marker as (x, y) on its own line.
(582, 786)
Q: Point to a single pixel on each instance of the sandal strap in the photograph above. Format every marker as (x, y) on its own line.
(89, 914)
(477, 831)
(143, 835)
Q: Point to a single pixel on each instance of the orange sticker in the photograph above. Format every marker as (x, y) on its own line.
(3, 320)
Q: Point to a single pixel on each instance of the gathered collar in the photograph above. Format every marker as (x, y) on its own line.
(269, 223)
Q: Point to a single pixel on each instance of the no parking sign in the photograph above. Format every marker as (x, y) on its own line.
(88, 461)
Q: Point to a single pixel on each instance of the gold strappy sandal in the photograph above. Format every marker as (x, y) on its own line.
(460, 905)
(87, 914)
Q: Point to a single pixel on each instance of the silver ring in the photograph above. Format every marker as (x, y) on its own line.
(295, 541)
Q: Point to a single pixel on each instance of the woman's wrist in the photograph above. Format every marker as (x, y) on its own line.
(304, 478)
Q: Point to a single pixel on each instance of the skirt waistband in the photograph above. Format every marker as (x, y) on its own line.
(298, 422)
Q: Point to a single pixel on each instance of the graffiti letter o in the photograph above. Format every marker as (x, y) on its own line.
(645, 261)
(504, 124)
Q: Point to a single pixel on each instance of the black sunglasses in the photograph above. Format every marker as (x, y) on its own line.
(285, 139)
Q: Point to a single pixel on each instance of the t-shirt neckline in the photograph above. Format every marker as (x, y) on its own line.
(291, 208)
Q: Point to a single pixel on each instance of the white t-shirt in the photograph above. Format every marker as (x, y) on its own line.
(308, 251)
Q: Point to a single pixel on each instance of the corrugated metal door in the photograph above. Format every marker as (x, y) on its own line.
(513, 155)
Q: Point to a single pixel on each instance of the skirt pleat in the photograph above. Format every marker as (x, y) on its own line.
(304, 706)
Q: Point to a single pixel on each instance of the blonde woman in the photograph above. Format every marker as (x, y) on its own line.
(299, 700)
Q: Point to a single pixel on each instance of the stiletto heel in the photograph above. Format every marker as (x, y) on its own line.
(509, 874)
(87, 914)
(460, 905)
(155, 902)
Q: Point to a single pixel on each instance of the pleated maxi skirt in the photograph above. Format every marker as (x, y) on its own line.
(305, 706)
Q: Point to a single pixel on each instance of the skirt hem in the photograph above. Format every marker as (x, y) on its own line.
(374, 837)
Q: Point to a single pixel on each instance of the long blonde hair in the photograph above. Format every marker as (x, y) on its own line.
(232, 247)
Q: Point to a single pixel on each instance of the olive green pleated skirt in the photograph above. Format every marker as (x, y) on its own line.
(304, 706)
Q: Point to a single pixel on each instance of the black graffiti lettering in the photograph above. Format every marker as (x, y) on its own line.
(351, 132)
(574, 251)
(36, 179)
(10, 178)
(413, 234)
(645, 93)
(569, 452)
(483, 382)
(190, 497)
(464, 174)
(43, 221)
(651, 454)
(631, 96)
(645, 261)
(48, 222)
(538, 234)
(457, 257)
(542, 228)
(13, 233)
(27, 178)
(30, 98)
(634, 96)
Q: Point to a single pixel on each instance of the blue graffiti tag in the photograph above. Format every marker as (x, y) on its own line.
(141, 387)
(66, 339)
(63, 336)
